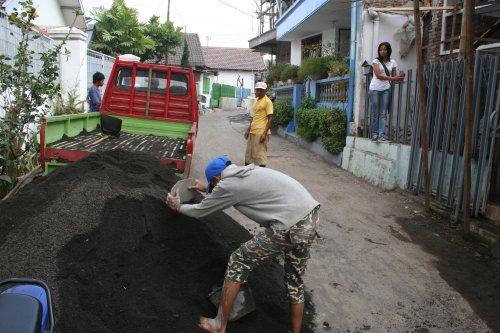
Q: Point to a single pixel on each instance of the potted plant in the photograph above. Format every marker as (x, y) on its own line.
(290, 73)
(315, 67)
(338, 67)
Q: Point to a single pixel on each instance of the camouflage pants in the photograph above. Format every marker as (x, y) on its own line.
(293, 242)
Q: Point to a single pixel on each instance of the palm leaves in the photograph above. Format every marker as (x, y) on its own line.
(118, 30)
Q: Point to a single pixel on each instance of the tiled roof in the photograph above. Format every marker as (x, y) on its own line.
(231, 58)
(195, 53)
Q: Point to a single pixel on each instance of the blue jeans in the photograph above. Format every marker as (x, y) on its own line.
(380, 103)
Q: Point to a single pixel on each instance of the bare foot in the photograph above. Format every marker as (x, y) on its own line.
(208, 325)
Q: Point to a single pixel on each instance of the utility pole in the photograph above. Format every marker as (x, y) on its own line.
(467, 30)
(168, 11)
(168, 20)
(421, 103)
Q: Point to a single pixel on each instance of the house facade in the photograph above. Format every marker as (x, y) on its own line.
(54, 13)
(369, 23)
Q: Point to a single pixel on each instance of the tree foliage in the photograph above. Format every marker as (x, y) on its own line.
(117, 30)
(185, 55)
(26, 96)
(165, 36)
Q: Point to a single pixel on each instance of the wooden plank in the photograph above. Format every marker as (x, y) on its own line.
(421, 103)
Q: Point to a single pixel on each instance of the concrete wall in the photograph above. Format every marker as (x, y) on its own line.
(73, 68)
(381, 164)
(231, 78)
(228, 103)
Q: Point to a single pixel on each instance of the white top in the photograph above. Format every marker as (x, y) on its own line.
(377, 84)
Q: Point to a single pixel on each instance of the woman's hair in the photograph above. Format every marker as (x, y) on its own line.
(389, 50)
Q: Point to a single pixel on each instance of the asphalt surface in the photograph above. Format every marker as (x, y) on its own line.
(381, 263)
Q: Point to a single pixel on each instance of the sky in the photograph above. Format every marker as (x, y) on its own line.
(227, 23)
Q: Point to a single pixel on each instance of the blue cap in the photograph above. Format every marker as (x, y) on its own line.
(215, 168)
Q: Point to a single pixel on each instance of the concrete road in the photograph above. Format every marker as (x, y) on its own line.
(381, 264)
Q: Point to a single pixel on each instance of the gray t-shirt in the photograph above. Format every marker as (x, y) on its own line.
(264, 195)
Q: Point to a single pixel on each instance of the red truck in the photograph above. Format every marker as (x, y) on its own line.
(155, 108)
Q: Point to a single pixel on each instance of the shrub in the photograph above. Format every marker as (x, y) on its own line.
(26, 96)
(338, 67)
(289, 72)
(315, 67)
(283, 112)
(275, 72)
(70, 105)
(327, 124)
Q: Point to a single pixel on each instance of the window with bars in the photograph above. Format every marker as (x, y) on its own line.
(311, 47)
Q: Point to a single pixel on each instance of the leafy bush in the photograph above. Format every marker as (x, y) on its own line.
(308, 103)
(327, 124)
(289, 72)
(69, 106)
(316, 67)
(338, 67)
(25, 96)
(306, 133)
(283, 112)
(275, 72)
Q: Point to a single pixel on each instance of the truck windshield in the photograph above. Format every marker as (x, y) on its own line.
(178, 82)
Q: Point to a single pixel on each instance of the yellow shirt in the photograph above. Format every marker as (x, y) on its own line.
(261, 109)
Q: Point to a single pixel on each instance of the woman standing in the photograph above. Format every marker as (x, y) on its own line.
(380, 89)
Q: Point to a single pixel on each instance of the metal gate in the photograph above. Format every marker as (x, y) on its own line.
(445, 115)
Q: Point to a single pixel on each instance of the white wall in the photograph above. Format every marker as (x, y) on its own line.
(231, 78)
(296, 52)
(371, 34)
(49, 10)
(73, 68)
(200, 89)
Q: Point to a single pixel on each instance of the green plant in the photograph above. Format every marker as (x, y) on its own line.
(185, 55)
(26, 97)
(68, 105)
(315, 67)
(118, 31)
(327, 124)
(283, 112)
(308, 103)
(338, 67)
(275, 72)
(289, 72)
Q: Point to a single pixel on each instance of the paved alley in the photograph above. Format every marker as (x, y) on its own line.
(380, 264)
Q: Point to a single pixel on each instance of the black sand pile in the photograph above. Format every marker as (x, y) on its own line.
(118, 260)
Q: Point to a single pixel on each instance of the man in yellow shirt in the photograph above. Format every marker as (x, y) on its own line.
(257, 134)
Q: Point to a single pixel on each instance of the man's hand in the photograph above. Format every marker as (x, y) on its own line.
(202, 187)
(174, 202)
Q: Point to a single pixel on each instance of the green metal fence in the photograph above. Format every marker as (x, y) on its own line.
(221, 90)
